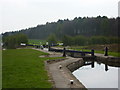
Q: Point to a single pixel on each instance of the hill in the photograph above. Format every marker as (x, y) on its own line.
(86, 26)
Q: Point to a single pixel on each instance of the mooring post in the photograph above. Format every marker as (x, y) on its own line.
(49, 48)
(106, 51)
(64, 52)
(92, 52)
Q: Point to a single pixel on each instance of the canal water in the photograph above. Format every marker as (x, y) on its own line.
(97, 75)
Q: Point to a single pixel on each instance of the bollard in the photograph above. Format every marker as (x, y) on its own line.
(71, 81)
(41, 47)
(60, 66)
(64, 52)
(92, 52)
(106, 51)
(49, 48)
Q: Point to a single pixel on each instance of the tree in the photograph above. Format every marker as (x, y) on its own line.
(80, 40)
(86, 26)
(67, 40)
(52, 39)
(14, 41)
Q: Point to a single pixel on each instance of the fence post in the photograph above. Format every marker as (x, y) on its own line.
(92, 54)
(64, 52)
(106, 51)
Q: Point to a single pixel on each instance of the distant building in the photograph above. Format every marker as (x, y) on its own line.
(60, 44)
(23, 44)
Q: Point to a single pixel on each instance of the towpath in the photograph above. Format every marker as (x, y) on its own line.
(61, 77)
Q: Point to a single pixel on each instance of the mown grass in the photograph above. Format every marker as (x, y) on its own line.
(36, 41)
(0, 68)
(23, 68)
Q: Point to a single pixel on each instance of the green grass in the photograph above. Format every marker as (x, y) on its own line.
(0, 68)
(36, 41)
(23, 68)
(116, 54)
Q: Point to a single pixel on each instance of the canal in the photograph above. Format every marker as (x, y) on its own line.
(97, 75)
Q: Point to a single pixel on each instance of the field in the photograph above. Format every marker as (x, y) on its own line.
(36, 41)
(23, 68)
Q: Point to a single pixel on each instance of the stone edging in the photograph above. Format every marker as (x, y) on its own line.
(68, 68)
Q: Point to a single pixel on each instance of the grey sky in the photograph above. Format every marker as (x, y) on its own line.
(21, 14)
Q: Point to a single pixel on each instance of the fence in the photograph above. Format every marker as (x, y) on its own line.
(72, 52)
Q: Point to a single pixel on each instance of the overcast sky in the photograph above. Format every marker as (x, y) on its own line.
(21, 14)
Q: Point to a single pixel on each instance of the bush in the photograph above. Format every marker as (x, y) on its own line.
(98, 40)
(14, 41)
(52, 39)
(82, 40)
(77, 40)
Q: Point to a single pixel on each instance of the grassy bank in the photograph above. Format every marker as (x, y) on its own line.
(23, 68)
(114, 49)
(116, 54)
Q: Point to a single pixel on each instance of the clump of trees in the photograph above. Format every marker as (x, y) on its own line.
(82, 40)
(86, 26)
(14, 41)
(52, 39)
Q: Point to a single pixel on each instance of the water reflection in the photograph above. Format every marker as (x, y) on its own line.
(106, 67)
(97, 75)
(92, 65)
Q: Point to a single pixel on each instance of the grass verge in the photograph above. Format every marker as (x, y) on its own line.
(23, 68)
(116, 54)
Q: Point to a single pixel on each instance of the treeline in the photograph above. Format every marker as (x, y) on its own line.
(14, 41)
(82, 40)
(86, 26)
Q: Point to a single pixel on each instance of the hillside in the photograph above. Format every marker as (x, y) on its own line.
(86, 26)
